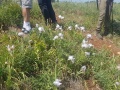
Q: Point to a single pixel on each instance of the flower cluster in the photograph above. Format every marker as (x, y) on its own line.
(10, 48)
(60, 35)
(86, 44)
(58, 27)
(81, 28)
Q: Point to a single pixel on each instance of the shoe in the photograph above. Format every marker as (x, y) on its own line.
(106, 32)
(25, 31)
(99, 36)
(26, 28)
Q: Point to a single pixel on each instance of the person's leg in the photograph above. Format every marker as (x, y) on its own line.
(102, 11)
(107, 18)
(44, 10)
(26, 6)
(51, 11)
(26, 16)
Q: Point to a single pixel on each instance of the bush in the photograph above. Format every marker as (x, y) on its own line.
(10, 15)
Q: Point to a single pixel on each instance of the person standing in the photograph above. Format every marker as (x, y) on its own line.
(47, 11)
(26, 6)
(105, 8)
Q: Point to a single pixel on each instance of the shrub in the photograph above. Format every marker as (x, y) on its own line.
(10, 15)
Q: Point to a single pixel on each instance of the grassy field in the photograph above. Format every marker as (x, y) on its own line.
(36, 61)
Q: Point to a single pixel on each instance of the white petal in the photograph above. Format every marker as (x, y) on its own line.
(56, 37)
(90, 45)
(117, 83)
(82, 28)
(70, 28)
(57, 82)
(84, 45)
(20, 34)
(84, 41)
(41, 29)
(87, 53)
(83, 68)
(37, 25)
(89, 36)
(118, 67)
(60, 35)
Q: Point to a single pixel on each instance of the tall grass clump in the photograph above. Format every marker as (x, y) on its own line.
(10, 14)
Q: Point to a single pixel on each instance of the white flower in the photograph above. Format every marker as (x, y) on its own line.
(61, 28)
(82, 28)
(41, 29)
(84, 41)
(118, 67)
(89, 36)
(37, 25)
(71, 58)
(60, 17)
(6, 62)
(70, 28)
(90, 45)
(60, 35)
(10, 48)
(85, 45)
(117, 83)
(83, 69)
(87, 53)
(76, 27)
(21, 34)
(58, 27)
(57, 82)
(56, 37)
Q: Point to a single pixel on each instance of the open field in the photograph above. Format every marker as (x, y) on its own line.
(73, 56)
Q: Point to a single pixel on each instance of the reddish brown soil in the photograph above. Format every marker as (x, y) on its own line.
(91, 85)
(106, 43)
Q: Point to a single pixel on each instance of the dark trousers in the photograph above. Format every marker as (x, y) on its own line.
(47, 11)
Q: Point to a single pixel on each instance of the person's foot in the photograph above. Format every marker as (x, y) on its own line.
(25, 31)
(99, 36)
(106, 32)
(26, 28)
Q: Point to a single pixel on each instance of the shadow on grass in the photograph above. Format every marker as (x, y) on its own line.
(116, 27)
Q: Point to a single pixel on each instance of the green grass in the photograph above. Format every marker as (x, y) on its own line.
(37, 60)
